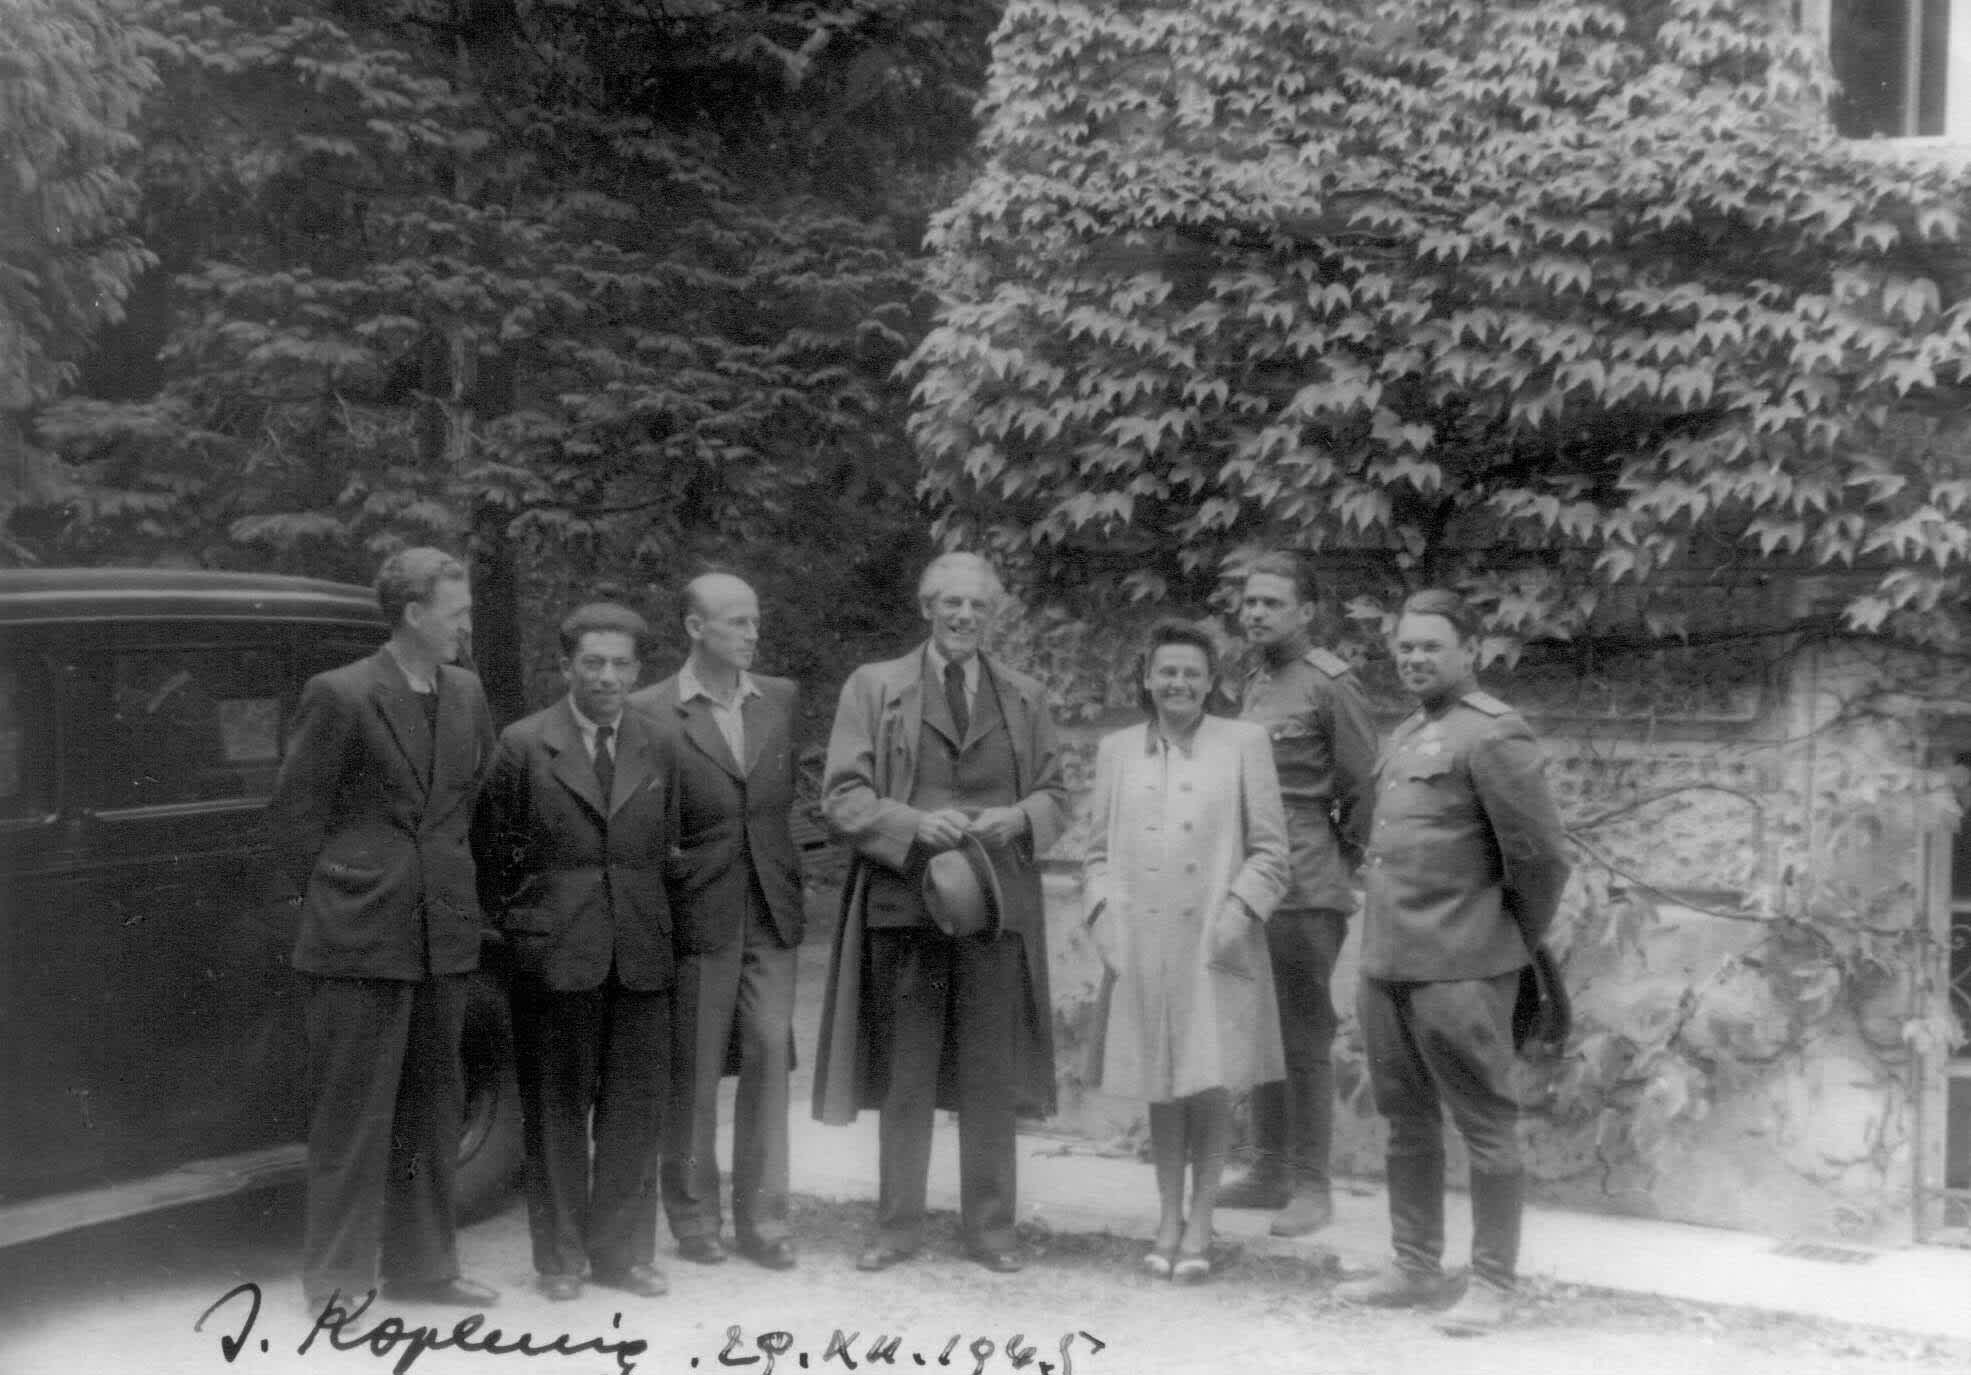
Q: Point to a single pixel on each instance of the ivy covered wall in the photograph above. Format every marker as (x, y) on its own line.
(1748, 935)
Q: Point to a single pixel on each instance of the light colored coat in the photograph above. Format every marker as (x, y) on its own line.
(1174, 836)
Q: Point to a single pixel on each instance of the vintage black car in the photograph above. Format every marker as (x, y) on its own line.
(151, 1041)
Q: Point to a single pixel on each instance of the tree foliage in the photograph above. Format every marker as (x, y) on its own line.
(1541, 299)
(71, 79)
(616, 286)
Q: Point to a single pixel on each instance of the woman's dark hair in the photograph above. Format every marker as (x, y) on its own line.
(1171, 631)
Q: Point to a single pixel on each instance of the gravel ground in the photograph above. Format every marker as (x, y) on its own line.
(128, 1298)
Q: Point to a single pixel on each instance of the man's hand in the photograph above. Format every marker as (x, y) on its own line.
(999, 825)
(940, 830)
(1102, 935)
(1231, 928)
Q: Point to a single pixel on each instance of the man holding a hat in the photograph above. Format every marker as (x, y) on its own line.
(943, 777)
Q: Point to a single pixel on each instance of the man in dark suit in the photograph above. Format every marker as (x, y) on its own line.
(926, 749)
(573, 833)
(737, 881)
(371, 816)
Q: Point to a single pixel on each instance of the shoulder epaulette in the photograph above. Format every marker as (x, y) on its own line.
(1328, 662)
(1485, 702)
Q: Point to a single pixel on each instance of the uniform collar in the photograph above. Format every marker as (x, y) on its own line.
(1274, 658)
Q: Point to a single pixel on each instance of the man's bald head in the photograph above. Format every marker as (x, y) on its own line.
(707, 589)
(722, 617)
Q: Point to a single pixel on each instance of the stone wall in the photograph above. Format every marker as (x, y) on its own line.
(1748, 942)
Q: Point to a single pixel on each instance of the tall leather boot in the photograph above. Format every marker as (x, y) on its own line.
(1310, 1136)
(1416, 1225)
(1496, 1205)
(1264, 1184)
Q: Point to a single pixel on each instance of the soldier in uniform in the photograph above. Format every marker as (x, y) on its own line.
(1324, 749)
(1464, 872)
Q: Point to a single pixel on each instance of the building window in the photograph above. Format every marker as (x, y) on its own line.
(1904, 65)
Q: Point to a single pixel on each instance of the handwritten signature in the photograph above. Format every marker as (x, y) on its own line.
(392, 1335)
(343, 1327)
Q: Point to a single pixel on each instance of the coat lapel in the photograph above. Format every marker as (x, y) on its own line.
(634, 764)
(905, 717)
(404, 717)
(572, 765)
(704, 733)
(754, 713)
(935, 707)
(1013, 711)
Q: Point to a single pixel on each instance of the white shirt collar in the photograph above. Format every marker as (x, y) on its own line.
(690, 685)
(588, 728)
(969, 669)
(420, 687)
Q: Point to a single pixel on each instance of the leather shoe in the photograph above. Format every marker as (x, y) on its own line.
(881, 1256)
(1483, 1308)
(1000, 1262)
(1309, 1211)
(646, 1280)
(456, 1292)
(561, 1288)
(777, 1254)
(1257, 1188)
(1394, 1287)
(702, 1250)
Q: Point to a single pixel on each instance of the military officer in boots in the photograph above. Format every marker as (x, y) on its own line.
(1324, 749)
(1465, 866)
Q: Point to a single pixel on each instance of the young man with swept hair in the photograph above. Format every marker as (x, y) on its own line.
(371, 818)
(1324, 749)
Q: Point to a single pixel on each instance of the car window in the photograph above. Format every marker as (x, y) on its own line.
(27, 775)
(195, 725)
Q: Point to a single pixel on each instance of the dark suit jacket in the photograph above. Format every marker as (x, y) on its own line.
(575, 883)
(373, 832)
(733, 815)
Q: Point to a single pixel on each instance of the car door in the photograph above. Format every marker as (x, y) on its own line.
(198, 1038)
(45, 1124)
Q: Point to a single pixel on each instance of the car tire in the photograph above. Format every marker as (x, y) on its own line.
(490, 1144)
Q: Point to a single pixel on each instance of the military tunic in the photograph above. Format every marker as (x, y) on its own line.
(1464, 872)
(1466, 857)
(1324, 750)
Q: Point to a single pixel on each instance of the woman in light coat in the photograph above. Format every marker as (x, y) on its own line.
(1186, 860)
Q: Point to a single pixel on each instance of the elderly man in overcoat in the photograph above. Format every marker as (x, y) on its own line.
(925, 749)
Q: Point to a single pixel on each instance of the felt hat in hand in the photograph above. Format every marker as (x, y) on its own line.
(961, 890)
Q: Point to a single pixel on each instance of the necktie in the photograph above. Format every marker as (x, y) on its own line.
(954, 696)
(605, 764)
